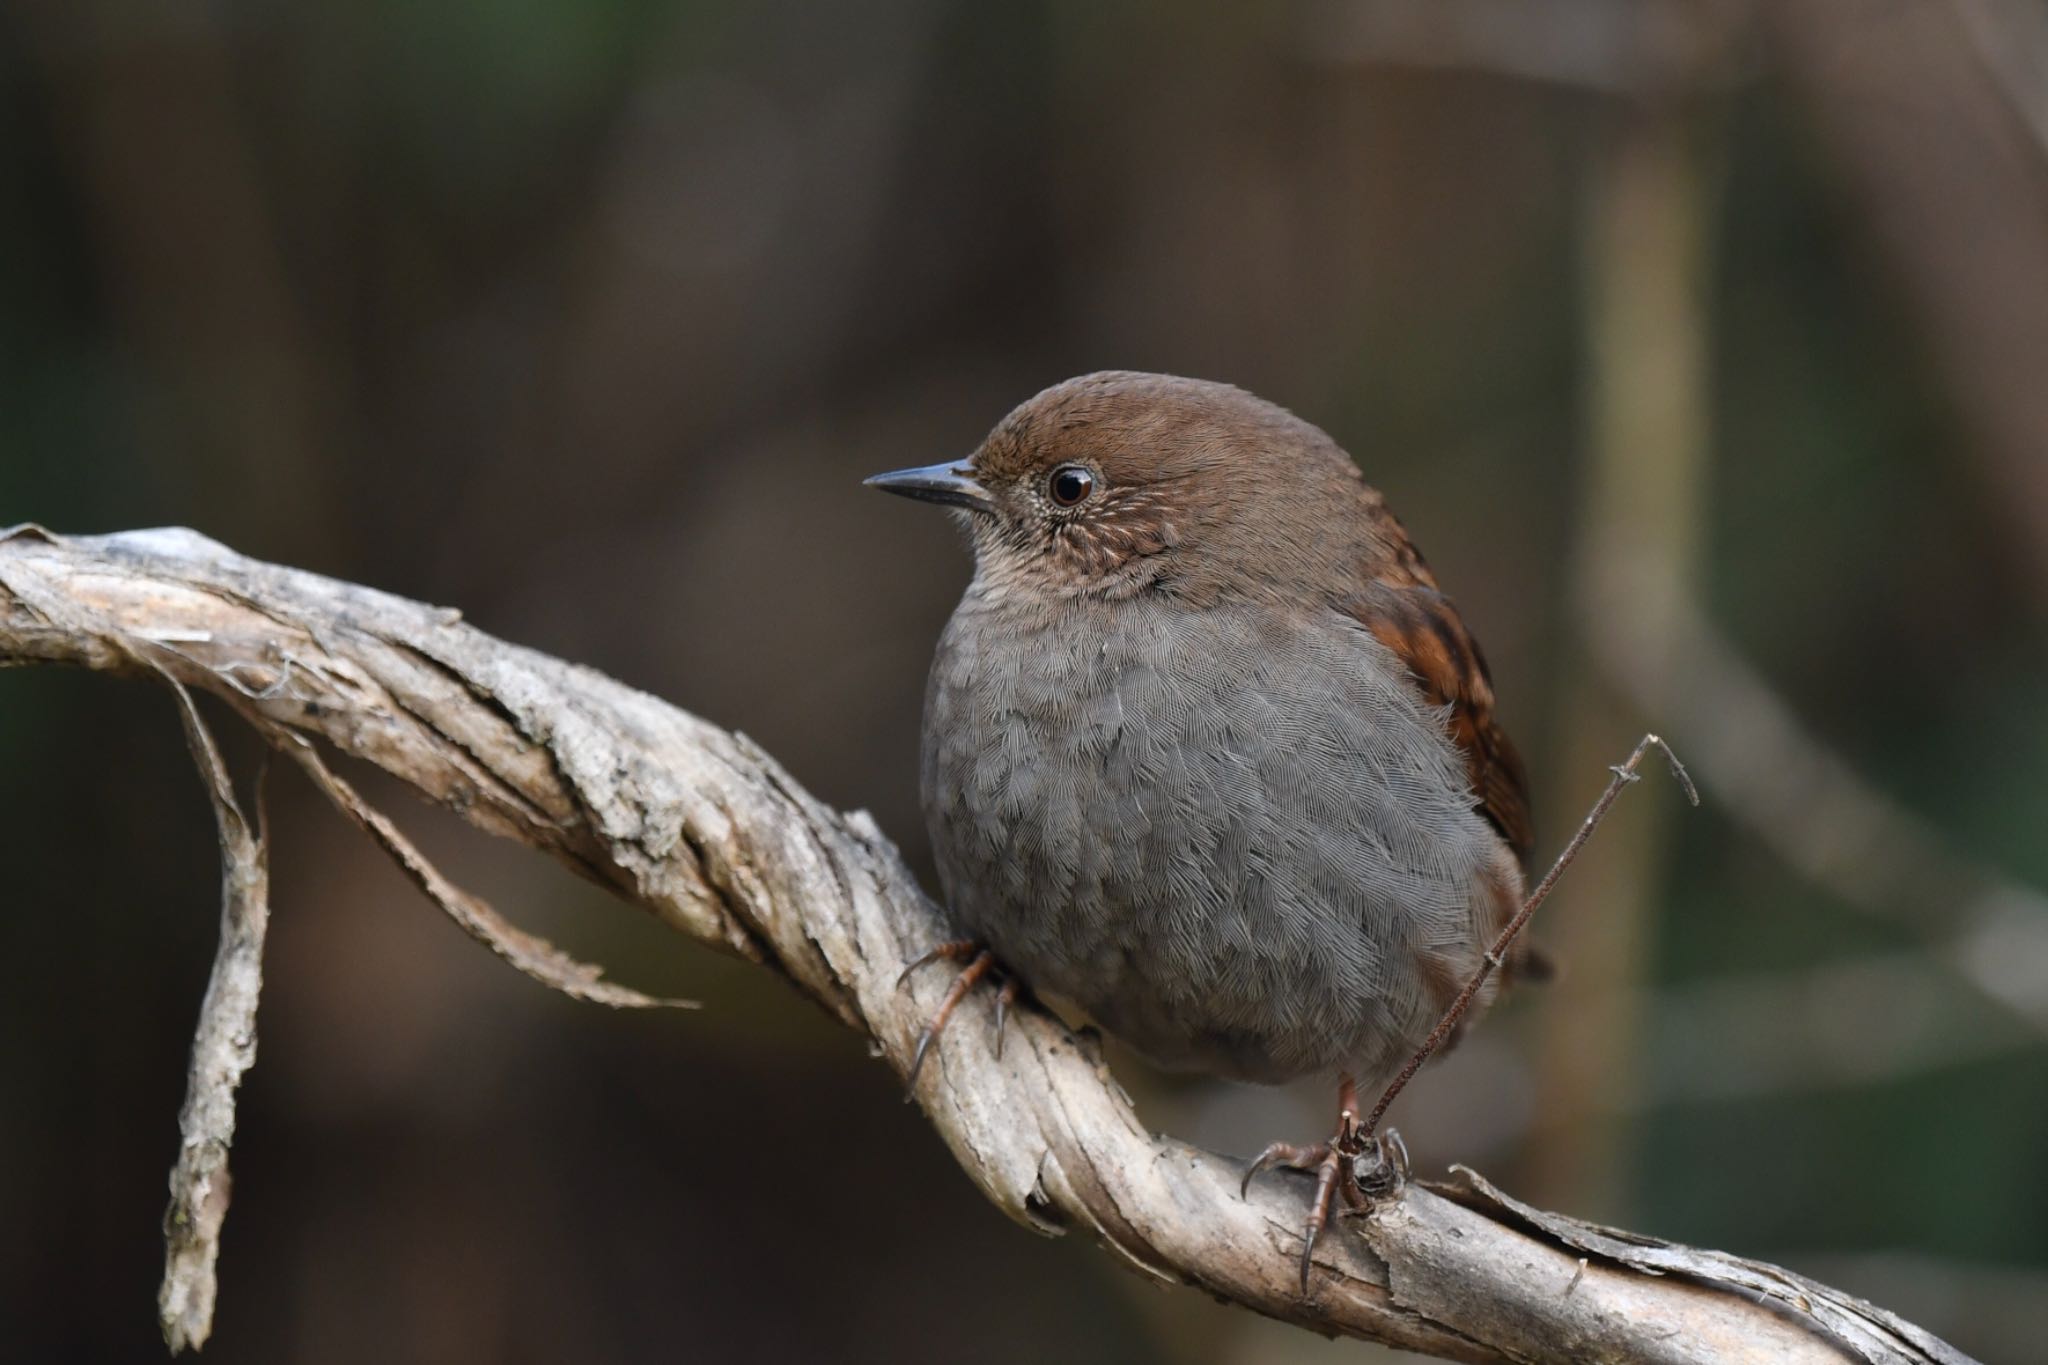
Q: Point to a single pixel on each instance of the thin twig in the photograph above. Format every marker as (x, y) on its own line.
(1624, 774)
(530, 953)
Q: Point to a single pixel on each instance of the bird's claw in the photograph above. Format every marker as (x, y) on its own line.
(980, 963)
(954, 950)
(1357, 1166)
(1280, 1154)
(1005, 997)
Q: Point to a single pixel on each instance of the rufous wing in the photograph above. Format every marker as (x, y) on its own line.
(1403, 609)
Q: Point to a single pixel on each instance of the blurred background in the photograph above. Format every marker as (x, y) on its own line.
(1703, 347)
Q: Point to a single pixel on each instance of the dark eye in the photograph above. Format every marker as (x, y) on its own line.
(1069, 484)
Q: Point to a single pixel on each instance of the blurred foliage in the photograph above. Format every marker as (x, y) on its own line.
(589, 317)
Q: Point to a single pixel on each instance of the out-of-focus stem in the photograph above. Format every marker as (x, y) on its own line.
(1638, 549)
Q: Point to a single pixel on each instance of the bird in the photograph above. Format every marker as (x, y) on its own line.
(1206, 750)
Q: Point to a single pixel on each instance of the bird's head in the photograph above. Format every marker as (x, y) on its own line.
(1115, 483)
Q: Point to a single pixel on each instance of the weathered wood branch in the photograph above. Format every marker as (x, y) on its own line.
(706, 831)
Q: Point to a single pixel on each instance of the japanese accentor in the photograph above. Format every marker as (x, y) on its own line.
(1206, 752)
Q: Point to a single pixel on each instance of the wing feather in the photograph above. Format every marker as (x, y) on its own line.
(1403, 608)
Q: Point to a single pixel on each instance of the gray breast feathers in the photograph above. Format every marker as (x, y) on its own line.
(1218, 832)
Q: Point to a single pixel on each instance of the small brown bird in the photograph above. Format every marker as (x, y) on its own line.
(1206, 752)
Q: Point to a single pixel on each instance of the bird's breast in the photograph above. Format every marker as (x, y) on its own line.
(1224, 832)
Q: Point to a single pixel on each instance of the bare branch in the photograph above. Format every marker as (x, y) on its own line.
(223, 1048)
(707, 832)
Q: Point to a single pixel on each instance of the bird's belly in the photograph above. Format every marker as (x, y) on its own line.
(1231, 840)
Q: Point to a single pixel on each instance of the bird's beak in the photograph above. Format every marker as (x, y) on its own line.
(952, 483)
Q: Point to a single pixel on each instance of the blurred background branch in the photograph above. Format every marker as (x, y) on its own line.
(1644, 49)
(1936, 131)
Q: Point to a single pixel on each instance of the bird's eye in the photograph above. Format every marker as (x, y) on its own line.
(1070, 484)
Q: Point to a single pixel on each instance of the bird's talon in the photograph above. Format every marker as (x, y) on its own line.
(1004, 999)
(1258, 1164)
(1283, 1154)
(924, 1045)
(1334, 1163)
(980, 962)
(1396, 1150)
(953, 950)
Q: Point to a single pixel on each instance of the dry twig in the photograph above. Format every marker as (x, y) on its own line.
(223, 1048)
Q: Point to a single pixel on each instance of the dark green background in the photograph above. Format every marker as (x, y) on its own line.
(588, 318)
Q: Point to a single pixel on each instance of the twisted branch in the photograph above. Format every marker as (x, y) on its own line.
(708, 833)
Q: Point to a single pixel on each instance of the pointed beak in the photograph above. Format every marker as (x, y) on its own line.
(951, 483)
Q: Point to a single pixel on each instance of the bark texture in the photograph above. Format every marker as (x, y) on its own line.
(707, 832)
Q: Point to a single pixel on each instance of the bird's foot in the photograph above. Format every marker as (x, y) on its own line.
(980, 962)
(1381, 1170)
(1353, 1164)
